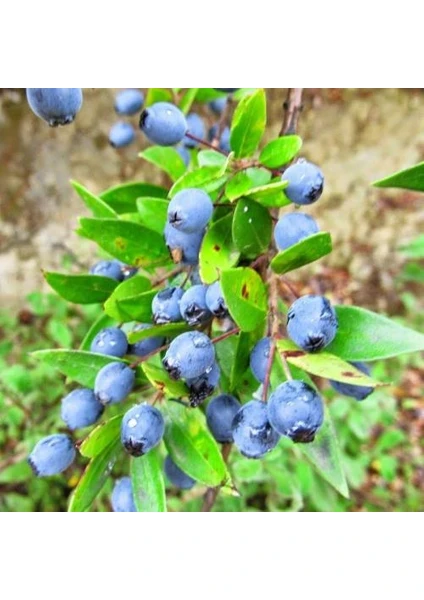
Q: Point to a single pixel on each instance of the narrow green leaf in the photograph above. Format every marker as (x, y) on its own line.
(81, 289)
(188, 99)
(131, 301)
(238, 185)
(409, 179)
(207, 94)
(245, 296)
(248, 124)
(243, 345)
(415, 249)
(100, 323)
(122, 198)
(304, 252)
(280, 151)
(218, 251)
(98, 207)
(211, 158)
(147, 483)
(364, 335)
(168, 330)
(101, 437)
(166, 158)
(160, 380)
(94, 478)
(270, 195)
(208, 179)
(192, 447)
(153, 213)
(252, 228)
(132, 243)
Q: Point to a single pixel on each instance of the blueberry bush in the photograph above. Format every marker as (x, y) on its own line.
(195, 352)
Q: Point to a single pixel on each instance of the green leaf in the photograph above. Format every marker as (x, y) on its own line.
(101, 437)
(153, 213)
(364, 335)
(100, 323)
(122, 198)
(129, 242)
(208, 179)
(238, 185)
(94, 478)
(81, 367)
(409, 179)
(160, 380)
(167, 159)
(168, 330)
(218, 251)
(211, 158)
(415, 249)
(81, 289)
(158, 95)
(304, 252)
(252, 228)
(248, 124)
(192, 447)
(207, 94)
(325, 365)
(270, 195)
(59, 332)
(188, 99)
(324, 454)
(98, 207)
(245, 296)
(281, 151)
(147, 483)
(243, 345)
(131, 301)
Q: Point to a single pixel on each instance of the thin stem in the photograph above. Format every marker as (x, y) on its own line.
(273, 331)
(212, 494)
(289, 286)
(168, 275)
(272, 349)
(292, 109)
(286, 367)
(145, 358)
(205, 143)
(226, 335)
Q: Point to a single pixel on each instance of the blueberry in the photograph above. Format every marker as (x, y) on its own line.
(142, 429)
(146, 346)
(227, 90)
(252, 431)
(215, 301)
(196, 127)
(359, 392)
(184, 153)
(108, 268)
(111, 341)
(296, 410)
(190, 355)
(166, 306)
(121, 134)
(52, 455)
(184, 247)
(218, 105)
(306, 182)
(190, 210)
(312, 323)
(224, 141)
(193, 306)
(114, 382)
(163, 123)
(56, 106)
(122, 496)
(80, 409)
(259, 359)
(127, 271)
(128, 102)
(220, 415)
(293, 228)
(203, 386)
(176, 476)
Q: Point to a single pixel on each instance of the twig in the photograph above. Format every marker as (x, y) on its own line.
(226, 335)
(12, 460)
(292, 107)
(289, 286)
(205, 143)
(211, 494)
(168, 275)
(145, 358)
(273, 329)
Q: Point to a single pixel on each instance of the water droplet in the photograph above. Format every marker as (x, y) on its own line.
(132, 423)
(250, 220)
(246, 208)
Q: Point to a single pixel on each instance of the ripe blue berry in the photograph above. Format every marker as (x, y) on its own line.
(111, 341)
(190, 355)
(176, 476)
(203, 386)
(122, 496)
(184, 247)
(146, 346)
(121, 134)
(215, 300)
(296, 411)
(259, 359)
(196, 127)
(252, 431)
(142, 429)
(114, 382)
(220, 415)
(227, 90)
(359, 392)
(80, 409)
(292, 228)
(108, 268)
(190, 210)
(312, 323)
(163, 123)
(193, 306)
(184, 153)
(52, 455)
(128, 102)
(218, 105)
(127, 271)
(306, 182)
(166, 306)
(56, 106)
